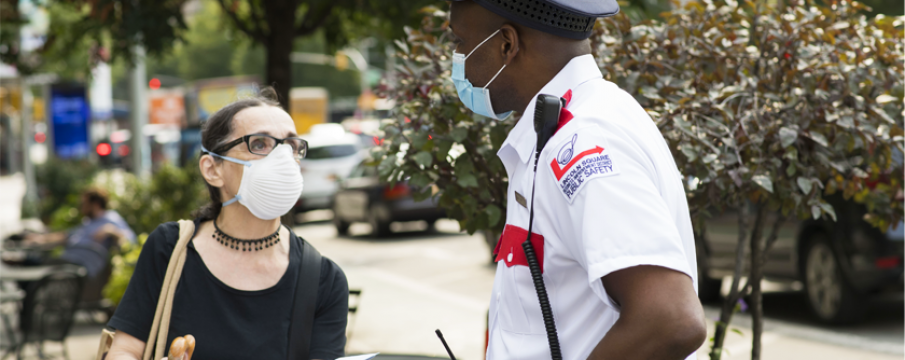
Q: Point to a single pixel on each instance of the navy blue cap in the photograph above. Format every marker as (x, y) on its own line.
(573, 19)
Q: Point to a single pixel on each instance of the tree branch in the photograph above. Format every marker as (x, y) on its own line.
(257, 18)
(318, 20)
(254, 33)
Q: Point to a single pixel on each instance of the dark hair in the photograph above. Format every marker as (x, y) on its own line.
(215, 132)
(96, 196)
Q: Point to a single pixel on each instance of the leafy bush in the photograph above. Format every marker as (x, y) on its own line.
(171, 194)
(60, 183)
(123, 267)
(771, 105)
(435, 140)
(774, 106)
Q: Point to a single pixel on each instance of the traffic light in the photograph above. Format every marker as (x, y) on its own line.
(105, 153)
(104, 149)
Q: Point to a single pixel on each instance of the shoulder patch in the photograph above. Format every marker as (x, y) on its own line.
(578, 160)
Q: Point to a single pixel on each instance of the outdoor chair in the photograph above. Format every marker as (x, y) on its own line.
(92, 298)
(354, 302)
(10, 300)
(49, 308)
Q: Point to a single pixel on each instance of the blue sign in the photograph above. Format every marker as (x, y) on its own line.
(70, 115)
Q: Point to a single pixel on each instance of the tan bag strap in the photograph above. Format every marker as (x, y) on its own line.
(157, 337)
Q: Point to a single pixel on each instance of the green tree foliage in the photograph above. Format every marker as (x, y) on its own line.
(275, 24)
(60, 183)
(83, 28)
(210, 48)
(214, 48)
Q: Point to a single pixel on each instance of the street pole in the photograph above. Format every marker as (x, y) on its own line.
(138, 113)
(390, 66)
(31, 195)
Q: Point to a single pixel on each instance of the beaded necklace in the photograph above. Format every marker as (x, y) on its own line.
(245, 244)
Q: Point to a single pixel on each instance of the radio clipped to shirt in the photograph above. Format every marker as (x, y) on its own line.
(546, 120)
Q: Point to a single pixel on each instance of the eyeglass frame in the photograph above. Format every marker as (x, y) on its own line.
(226, 147)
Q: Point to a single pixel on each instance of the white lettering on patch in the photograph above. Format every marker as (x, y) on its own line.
(571, 175)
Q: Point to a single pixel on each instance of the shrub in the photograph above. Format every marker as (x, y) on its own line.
(170, 194)
(776, 105)
(435, 140)
(770, 105)
(60, 183)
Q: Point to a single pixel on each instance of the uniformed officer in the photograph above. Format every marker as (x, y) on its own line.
(611, 228)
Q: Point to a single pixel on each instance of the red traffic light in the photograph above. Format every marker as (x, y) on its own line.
(123, 150)
(40, 138)
(104, 149)
(154, 84)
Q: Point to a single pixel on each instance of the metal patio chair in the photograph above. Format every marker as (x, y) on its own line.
(49, 308)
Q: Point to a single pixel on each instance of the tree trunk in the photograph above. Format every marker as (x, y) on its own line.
(722, 325)
(280, 38)
(756, 267)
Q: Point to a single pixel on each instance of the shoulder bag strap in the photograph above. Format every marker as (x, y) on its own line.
(157, 337)
(304, 303)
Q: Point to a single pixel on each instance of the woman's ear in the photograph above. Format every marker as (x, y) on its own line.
(210, 170)
(509, 48)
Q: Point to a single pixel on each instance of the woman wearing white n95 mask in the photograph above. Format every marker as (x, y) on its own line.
(236, 292)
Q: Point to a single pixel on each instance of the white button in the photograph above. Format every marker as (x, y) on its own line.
(509, 258)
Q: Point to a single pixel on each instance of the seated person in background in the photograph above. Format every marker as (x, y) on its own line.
(89, 244)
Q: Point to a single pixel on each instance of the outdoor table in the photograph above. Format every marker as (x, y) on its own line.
(25, 273)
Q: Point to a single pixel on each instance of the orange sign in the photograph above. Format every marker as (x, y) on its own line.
(167, 108)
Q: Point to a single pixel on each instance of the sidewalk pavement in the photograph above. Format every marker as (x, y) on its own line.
(777, 344)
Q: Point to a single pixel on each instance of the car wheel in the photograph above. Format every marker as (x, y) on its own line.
(708, 288)
(830, 297)
(431, 226)
(379, 227)
(342, 227)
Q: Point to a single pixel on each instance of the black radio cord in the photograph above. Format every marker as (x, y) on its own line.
(538, 278)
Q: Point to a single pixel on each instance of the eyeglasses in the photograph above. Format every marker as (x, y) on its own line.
(262, 144)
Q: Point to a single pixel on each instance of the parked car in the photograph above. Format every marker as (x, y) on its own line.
(841, 264)
(362, 198)
(332, 154)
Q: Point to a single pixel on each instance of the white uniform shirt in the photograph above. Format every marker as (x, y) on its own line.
(609, 196)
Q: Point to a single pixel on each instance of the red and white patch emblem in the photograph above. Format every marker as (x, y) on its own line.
(573, 170)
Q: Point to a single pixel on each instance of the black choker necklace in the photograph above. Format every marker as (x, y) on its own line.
(245, 244)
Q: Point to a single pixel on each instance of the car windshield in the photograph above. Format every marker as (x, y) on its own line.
(328, 152)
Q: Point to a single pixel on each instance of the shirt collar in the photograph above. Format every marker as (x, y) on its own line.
(522, 137)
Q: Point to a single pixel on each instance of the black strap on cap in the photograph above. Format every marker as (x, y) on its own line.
(304, 304)
(547, 16)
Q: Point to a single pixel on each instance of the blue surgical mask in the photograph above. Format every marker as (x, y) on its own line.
(476, 99)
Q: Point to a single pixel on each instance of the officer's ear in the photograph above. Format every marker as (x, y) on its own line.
(509, 47)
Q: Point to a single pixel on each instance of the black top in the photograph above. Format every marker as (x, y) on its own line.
(228, 323)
